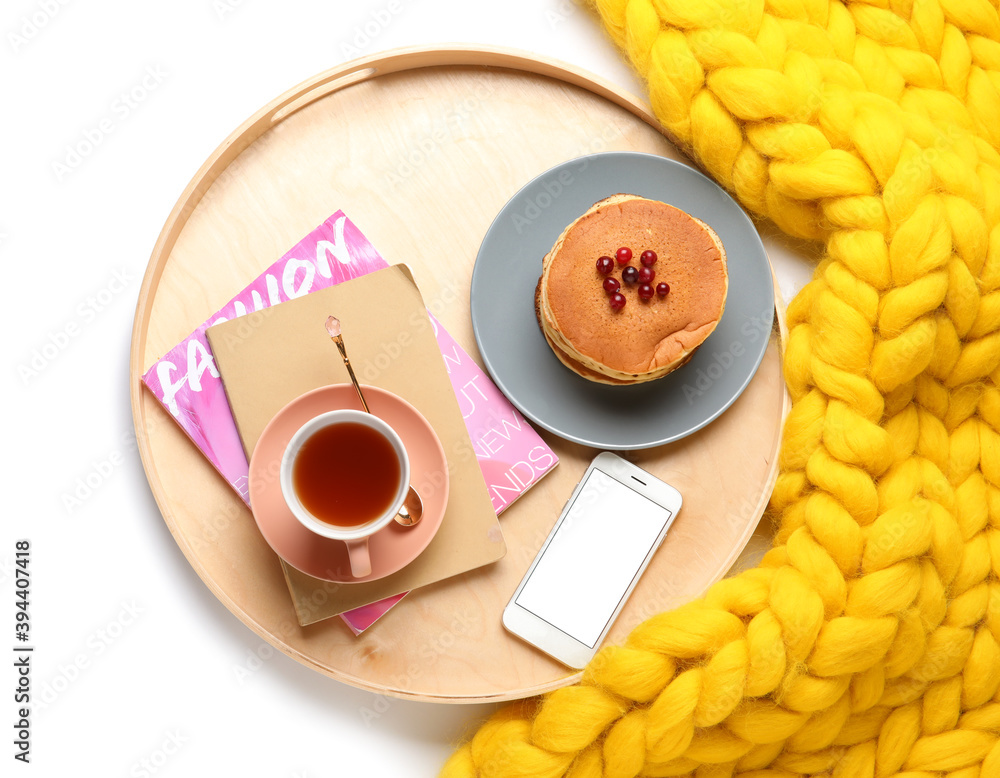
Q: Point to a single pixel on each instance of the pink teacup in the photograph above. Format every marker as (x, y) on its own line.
(355, 536)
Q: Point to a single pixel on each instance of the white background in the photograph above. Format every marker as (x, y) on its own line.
(144, 671)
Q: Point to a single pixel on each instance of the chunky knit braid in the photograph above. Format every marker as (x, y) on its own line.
(867, 643)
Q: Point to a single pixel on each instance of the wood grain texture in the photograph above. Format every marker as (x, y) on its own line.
(421, 149)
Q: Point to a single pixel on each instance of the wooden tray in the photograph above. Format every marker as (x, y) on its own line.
(421, 148)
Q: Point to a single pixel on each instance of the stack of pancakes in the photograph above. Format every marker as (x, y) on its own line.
(647, 338)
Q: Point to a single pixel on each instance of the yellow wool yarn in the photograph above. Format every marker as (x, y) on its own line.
(867, 643)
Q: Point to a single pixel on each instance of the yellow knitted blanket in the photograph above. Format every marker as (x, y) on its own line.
(867, 643)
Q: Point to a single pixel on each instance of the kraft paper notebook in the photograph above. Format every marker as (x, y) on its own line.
(288, 353)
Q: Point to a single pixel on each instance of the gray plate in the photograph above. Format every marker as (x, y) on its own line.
(542, 388)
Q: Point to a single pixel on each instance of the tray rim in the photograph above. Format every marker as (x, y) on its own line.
(340, 77)
(270, 116)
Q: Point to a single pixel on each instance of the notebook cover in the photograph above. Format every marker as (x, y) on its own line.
(288, 353)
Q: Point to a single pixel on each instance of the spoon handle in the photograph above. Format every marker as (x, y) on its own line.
(354, 379)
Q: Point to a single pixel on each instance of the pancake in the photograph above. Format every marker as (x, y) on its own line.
(645, 339)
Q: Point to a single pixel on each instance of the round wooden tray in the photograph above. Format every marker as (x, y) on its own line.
(421, 148)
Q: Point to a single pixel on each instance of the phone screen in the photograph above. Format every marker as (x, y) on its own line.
(592, 559)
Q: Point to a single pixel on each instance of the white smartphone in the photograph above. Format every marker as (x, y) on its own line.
(591, 561)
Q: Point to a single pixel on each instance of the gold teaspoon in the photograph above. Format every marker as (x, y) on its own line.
(412, 509)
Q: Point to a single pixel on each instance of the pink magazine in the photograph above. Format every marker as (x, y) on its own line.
(186, 381)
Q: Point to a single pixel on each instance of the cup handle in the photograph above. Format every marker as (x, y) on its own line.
(357, 552)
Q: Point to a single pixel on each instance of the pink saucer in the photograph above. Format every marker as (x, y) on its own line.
(393, 547)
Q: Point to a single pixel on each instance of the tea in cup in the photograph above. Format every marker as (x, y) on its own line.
(344, 475)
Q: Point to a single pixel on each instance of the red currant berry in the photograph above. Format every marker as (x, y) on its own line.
(605, 265)
(630, 275)
(646, 275)
(646, 291)
(611, 285)
(623, 255)
(663, 288)
(617, 301)
(648, 257)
